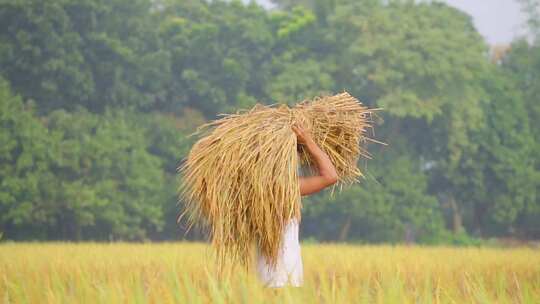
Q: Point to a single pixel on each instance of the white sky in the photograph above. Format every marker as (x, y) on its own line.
(499, 21)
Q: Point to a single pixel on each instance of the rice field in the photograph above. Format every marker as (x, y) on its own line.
(183, 273)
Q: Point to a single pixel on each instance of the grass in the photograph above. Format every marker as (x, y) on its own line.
(181, 273)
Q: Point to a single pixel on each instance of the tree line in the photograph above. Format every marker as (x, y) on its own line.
(97, 99)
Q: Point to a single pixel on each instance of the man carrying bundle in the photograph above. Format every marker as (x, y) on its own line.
(289, 268)
(241, 179)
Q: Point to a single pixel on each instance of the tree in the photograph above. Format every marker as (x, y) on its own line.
(532, 9)
(107, 183)
(92, 53)
(410, 59)
(522, 65)
(24, 166)
(387, 206)
(499, 178)
(219, 54)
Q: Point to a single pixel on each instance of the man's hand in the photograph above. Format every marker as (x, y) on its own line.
(303, 136)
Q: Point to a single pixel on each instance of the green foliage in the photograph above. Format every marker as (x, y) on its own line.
(82, 175)
(522, 64)
(99, 96)
(392, 200)
(506, 151)
(290, 23)
(106, 178)
(94, 53)
(298, 80)
(219, 54)
(24, 164)
(410, 57)
(531, 8)
(461, 238)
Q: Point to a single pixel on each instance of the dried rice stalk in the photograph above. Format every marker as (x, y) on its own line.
(240, 179)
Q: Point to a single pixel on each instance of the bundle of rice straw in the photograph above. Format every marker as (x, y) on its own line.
(240, 178)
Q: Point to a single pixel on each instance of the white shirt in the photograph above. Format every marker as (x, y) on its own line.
(289, 268)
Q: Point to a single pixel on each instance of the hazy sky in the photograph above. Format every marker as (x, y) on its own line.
(497, 20)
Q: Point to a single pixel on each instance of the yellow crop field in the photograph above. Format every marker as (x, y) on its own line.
(333, 273)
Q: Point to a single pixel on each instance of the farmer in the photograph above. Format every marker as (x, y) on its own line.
(289, 267)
